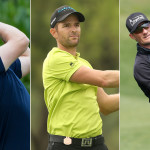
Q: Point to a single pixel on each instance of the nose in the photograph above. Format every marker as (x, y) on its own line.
(74, 29)
(145, 30)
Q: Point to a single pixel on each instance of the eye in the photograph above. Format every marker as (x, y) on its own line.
(77, 25)
(66, 25)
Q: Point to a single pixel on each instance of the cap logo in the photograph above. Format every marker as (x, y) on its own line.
(66, 8)
(53, 20)
(134, 20)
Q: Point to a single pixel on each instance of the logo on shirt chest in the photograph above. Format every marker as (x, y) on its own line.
(71, 64)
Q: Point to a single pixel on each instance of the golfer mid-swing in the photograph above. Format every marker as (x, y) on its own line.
(72, 89)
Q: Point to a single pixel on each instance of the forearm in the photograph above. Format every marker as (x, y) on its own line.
(107, 103)
(104, 79)
(98, 78)
(16, 44)
(26, 53)
(8, 32)
(25, 62)
(112, 104)
(110, 78)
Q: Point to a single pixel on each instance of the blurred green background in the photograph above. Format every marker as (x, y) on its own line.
(99, 44)
(17, 14)
(134, 105)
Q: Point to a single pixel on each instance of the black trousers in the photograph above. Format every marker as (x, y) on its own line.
(61, 146)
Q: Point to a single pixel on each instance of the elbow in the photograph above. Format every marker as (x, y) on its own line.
(104, 109)
(27, 41)
(22, 42)
(105, 112)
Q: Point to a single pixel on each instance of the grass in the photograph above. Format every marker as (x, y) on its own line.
(134, 123)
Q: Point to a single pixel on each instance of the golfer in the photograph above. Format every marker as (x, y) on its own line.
(14, 98)
(72, 89)
(139, 27)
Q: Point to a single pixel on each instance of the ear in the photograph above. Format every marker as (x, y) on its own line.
(53, 32)
(132, 36)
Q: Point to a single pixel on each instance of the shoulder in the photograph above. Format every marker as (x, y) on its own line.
(142, 68)
(142, 63)
(57, 56)
(85, 62)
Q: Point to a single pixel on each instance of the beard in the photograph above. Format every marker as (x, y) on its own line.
(70, 42)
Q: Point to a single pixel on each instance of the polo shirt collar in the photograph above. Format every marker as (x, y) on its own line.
(142, 50)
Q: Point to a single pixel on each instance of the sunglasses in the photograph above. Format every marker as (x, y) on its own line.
(139, 29)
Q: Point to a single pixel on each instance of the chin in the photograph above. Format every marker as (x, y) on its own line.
(74, 43)
(145, 44)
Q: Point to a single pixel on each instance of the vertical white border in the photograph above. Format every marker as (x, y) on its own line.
(119, 76)
(30, 74)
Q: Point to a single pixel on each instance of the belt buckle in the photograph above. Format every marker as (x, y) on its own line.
(86, 142)
(67, 141)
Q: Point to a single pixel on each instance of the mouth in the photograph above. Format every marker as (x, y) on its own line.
(147, 36)
(74, 36)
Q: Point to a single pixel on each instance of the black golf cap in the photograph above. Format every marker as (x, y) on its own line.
(134, 20)
(62, 13)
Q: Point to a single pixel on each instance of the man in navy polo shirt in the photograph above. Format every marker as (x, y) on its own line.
(139, 27)
(14, 98)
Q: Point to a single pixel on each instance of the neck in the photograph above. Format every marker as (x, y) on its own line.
(71, 50)
(145, 46)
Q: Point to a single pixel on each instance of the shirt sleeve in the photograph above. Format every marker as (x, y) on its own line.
(61, 66)
(16, 67)
(2, 68)
(142, 73)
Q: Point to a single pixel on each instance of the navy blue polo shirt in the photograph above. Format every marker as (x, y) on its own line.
(14, 109)
(142, 69)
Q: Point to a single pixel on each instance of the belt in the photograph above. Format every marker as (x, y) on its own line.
(83, 142)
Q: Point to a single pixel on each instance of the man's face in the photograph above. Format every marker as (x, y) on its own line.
(143, 37)
(68, 32)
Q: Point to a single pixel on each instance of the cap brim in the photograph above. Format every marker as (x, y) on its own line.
(134, 28)
(79, 15)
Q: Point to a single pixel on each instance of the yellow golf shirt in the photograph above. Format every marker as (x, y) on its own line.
(72, 107)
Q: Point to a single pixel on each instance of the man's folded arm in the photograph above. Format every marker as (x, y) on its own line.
(15, 44)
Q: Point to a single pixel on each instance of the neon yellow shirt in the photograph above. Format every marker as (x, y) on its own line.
(73, 108)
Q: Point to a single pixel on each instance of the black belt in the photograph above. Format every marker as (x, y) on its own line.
(83, 142)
